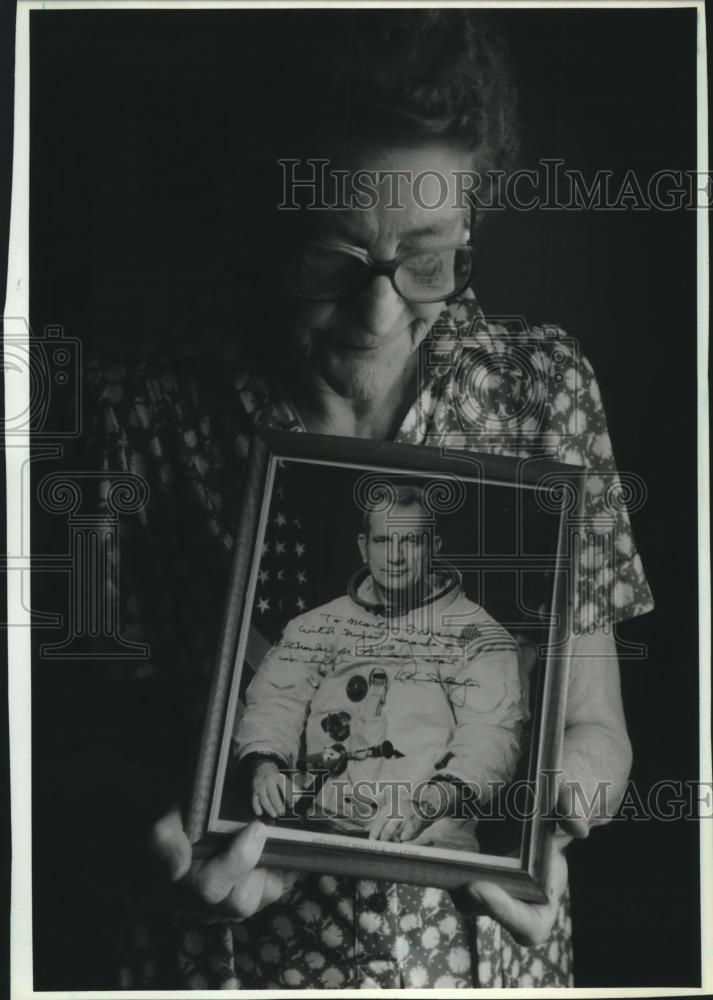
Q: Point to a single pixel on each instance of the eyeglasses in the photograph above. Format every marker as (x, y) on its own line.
(323, 272)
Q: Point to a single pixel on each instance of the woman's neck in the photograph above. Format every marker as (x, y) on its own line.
(378, 415)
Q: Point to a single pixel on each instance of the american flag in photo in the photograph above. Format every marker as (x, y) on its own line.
(283, 588)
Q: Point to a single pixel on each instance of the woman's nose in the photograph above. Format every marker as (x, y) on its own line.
(379, 306)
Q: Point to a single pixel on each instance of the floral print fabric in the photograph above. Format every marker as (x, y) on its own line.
(337, 933)
(185, 428)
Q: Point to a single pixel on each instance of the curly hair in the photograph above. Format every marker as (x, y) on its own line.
(326, 84)
(369, 75)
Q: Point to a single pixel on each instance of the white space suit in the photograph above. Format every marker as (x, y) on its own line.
(437, 686)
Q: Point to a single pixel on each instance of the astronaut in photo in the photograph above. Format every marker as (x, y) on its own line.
(400, 695)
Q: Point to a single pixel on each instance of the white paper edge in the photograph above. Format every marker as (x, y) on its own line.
(17, 454)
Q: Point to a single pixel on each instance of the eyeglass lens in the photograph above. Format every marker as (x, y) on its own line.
(327, 274)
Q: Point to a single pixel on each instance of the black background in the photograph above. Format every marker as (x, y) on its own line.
(131, 239)
(486, 519)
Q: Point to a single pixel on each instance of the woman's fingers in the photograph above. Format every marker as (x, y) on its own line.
(529, 923)
(170, 845)
(571, 813)
(214, 880)
(257, 890)
(276, 884)
(246, 897)
(230, 883)
(575, 827)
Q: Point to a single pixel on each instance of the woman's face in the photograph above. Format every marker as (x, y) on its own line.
(359, 344)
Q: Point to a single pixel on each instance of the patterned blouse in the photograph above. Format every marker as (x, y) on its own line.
(185, 427)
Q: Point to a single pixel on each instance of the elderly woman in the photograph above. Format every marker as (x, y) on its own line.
(366, 286)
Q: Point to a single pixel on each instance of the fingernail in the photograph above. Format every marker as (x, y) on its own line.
(175, 866)
(274, 884)
(480, 891)
(259, 831)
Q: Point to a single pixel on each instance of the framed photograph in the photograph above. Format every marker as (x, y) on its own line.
(389, 693)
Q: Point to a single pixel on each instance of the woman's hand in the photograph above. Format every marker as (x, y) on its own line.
(596, 760)
(529, 923)
(228, 885)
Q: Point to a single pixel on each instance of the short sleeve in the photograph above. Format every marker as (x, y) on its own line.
(612, 584)
(529, 392)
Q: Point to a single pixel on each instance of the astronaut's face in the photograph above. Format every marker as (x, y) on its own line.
(398, 550)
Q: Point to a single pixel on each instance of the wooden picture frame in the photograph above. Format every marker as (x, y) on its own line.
(511, 540)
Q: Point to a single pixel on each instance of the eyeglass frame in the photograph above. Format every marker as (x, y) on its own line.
(386, 268)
